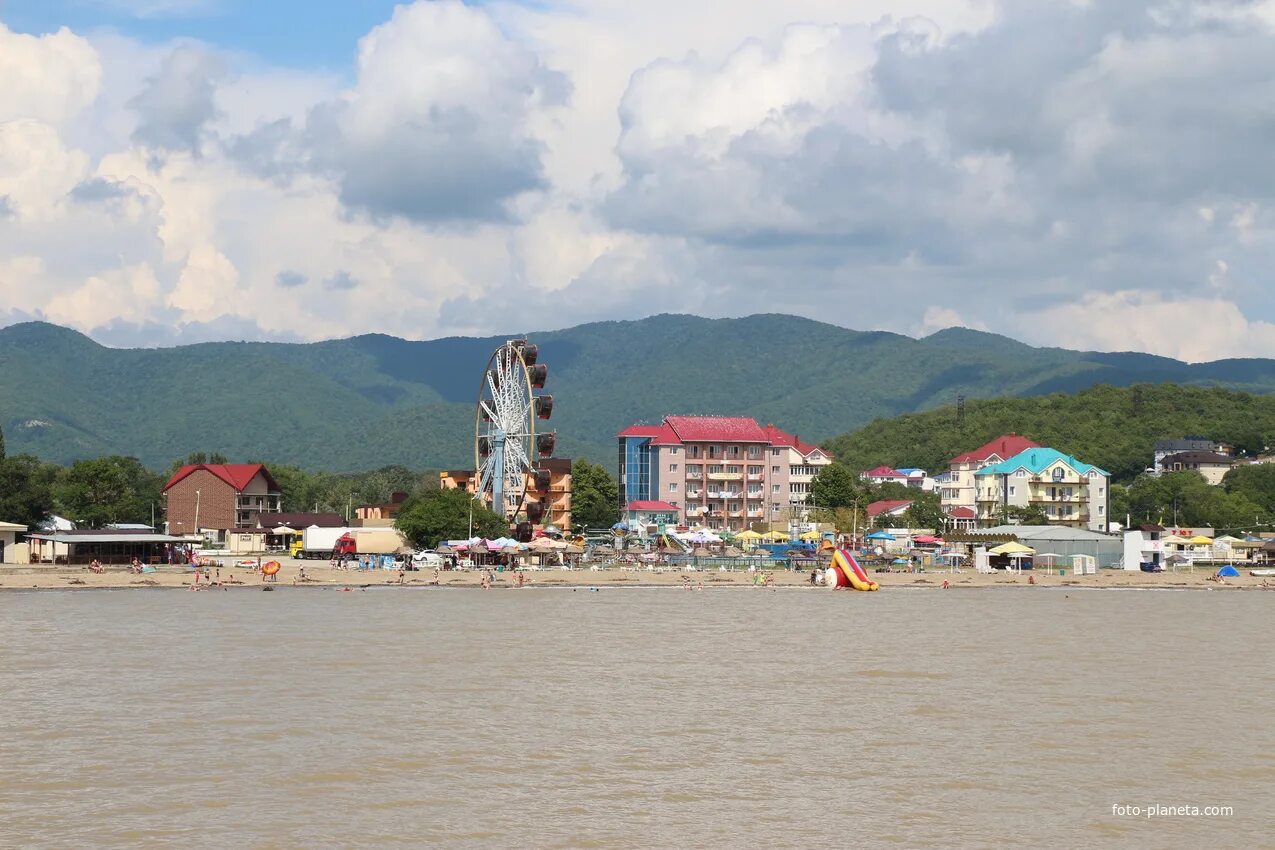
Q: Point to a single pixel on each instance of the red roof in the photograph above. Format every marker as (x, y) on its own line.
(640, 431)
(961, 513)
(651, 506)
(666, 437)
(716, 429)
(778, 437)
(886, 506)
(237, 475)
(883, 472)
(1002, 448)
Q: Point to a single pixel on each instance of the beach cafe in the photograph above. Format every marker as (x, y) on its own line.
(110, 546)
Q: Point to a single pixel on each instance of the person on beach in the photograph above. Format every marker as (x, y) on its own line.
(95, 566)
(136, 566)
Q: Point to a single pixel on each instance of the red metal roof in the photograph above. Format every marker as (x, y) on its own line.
(883, 472)
(666, 437)
(1002, 448)
(886, 506)
(237, 475)
(779, 437)
(718, 429)
(961, 513)
(640, 431)
(651, 506)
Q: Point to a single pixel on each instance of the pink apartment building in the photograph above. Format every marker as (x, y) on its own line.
(723, 472)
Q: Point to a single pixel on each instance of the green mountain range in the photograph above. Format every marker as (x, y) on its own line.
(368, 401)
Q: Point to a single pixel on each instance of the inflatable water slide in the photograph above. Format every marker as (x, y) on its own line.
(846, 572)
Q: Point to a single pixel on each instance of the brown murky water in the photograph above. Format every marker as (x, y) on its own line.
(634, 718)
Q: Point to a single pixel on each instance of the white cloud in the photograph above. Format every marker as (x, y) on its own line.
(1190, 329)
(903, 165)
(47, 78)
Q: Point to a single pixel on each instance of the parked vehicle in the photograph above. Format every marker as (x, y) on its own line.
(318, 543)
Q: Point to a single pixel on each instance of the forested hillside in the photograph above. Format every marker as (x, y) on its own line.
(370, 401)
(1113, 427)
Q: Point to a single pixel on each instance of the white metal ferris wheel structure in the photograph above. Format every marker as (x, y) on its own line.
(506, 445)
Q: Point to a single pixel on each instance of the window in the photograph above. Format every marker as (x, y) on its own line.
(734, 470)
(672, 450)
(1022, 473)
(774, 452)
(774, 488)
(755, 470)
(1101, 508)
(672, 487)
(713, 470)
(1011, 489)
(1059, 473)
(774, 470)
(754, 451)
(672, 467)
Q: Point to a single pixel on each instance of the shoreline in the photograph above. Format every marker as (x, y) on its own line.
(323, 577)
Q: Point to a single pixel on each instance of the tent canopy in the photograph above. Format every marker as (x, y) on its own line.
(1012, 548)
(1200, 540)
(1228, 571)
(880, 535)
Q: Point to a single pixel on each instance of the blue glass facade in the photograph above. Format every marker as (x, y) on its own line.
(639, 476)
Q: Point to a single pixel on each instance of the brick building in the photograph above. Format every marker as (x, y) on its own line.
(218, 497)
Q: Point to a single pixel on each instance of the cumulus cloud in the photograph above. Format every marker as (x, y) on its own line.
(47, 78)
(178, 102)
(437, 128)
(1192, 329)
(905, 164)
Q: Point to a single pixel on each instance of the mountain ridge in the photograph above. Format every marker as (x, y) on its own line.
(374, 399)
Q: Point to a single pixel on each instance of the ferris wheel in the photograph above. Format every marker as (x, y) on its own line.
(506, 445)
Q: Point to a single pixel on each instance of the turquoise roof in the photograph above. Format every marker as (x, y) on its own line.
(1037, 461)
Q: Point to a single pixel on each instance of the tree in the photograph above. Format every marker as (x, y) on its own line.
(107, 490)
(1025, 515)
(26, 489)
(594, 496)
(1255, 481)
(1, 444)
(834, 486)
(427, 519)
(926, 511)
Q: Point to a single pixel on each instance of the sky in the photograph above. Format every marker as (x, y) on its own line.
(1072, 173)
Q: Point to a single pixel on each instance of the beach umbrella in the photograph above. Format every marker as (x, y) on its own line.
(809, 535)
(702, 553)
(283, 529)
(444, 549)
(1200, 540)
(573, 549)
(880, 535)
(748, 535)
(777, 536)
(1012, 548)
(732, 552)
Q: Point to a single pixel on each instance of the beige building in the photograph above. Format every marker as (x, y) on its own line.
(1066, 490)
(9, 532)
(1212, 465)
(958, 490)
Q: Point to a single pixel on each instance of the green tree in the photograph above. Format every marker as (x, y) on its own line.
(26, 489)
(926, 511)
(835, 486)
(594, 496)
(107, 490)
(1025, 515)
(1, 444)
(1256, 482)
(427, 519)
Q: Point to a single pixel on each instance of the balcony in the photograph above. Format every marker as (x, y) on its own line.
(736, 514)
(725, 476)
(756, 514)
(756, 477)
(715, 514)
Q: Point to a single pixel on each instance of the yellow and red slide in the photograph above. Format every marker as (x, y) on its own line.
(846, 572)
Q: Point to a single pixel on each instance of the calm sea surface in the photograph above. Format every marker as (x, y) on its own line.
(634, 718)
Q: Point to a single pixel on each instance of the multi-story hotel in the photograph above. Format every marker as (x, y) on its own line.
(1066, 490)
(723, 472)
(958, 491)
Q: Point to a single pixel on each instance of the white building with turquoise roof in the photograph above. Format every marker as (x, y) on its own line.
(1066, 490)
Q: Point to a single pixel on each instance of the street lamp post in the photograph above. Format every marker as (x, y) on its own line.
(196, 511)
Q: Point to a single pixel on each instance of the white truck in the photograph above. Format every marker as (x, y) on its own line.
(316, 542)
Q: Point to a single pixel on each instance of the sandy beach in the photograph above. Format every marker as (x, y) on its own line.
(320, 576)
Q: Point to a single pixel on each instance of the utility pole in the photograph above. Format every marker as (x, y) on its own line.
(196, 511)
